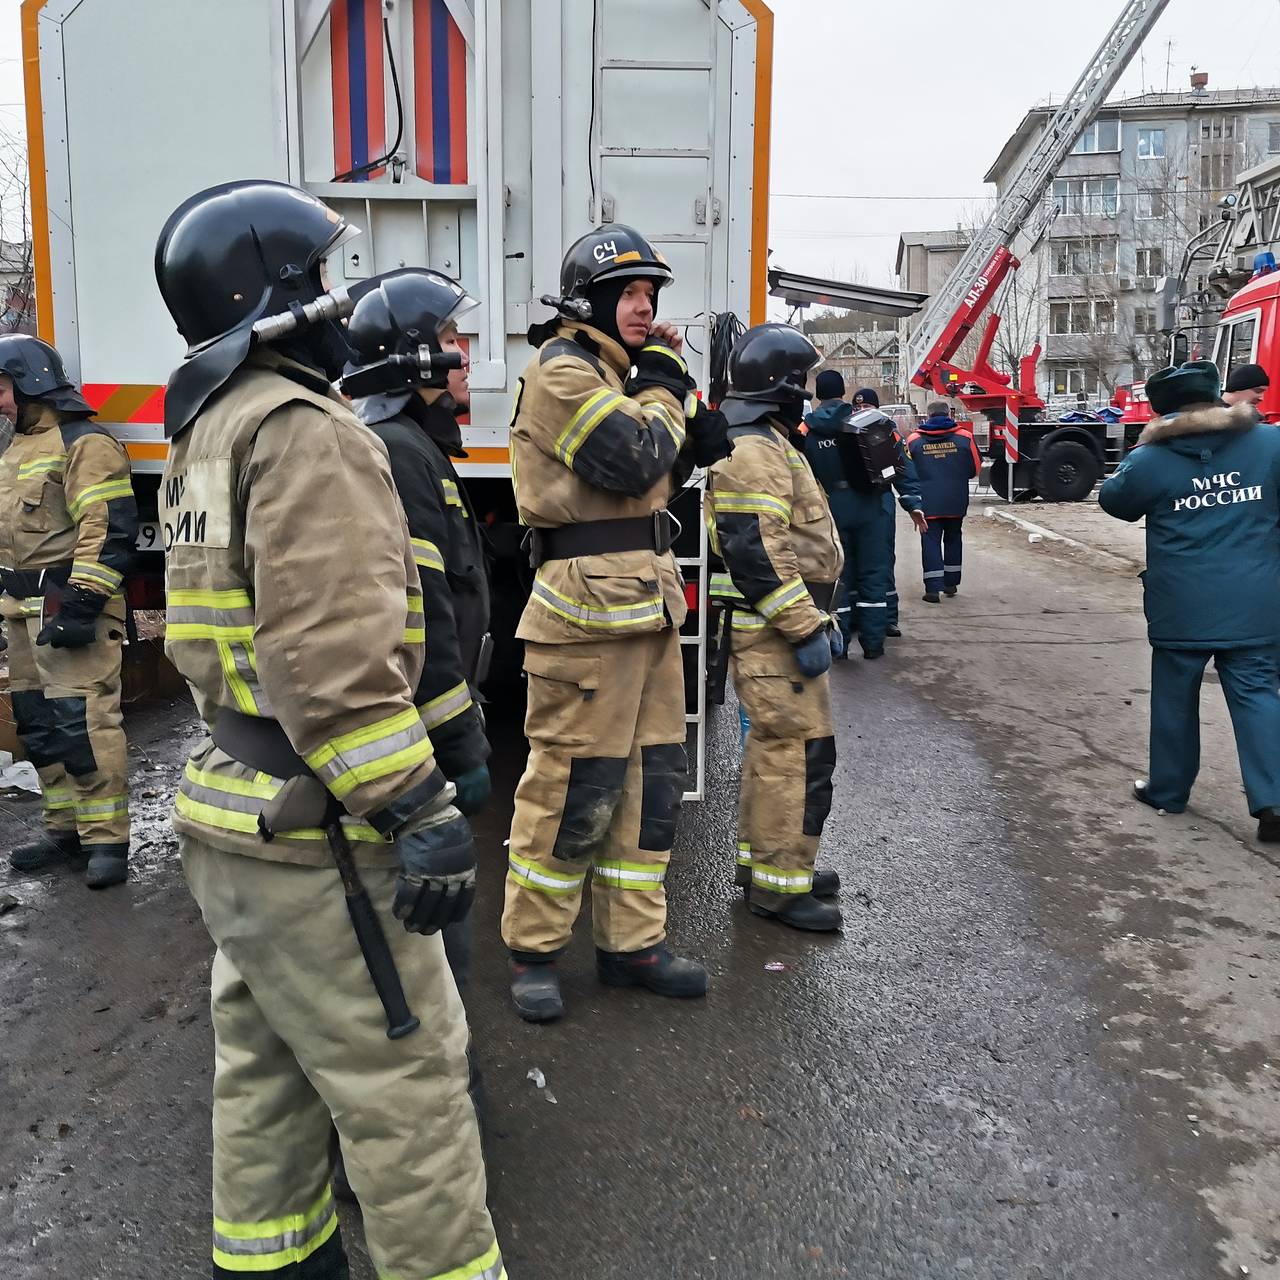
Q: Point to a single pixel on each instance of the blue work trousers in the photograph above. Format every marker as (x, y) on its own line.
(942, 551)
(1249, 684)
(866, 579)
(891, 536)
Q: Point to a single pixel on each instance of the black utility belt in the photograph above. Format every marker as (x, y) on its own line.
(258, 742)
(655, 532)
(22, 584)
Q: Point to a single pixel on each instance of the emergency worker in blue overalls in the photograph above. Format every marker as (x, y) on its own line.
(946, 459)
(857, 505)
(1207, 478)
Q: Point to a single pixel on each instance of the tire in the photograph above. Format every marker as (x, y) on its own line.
(1067, 472)
(998, 476)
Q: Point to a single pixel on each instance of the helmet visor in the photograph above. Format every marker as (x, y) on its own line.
(464, 306)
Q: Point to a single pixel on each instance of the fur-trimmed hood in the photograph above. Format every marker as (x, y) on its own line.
(1200, 419)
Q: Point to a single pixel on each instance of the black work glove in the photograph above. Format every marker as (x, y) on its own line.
(437, 881)
(75, 623)
(709, 435)
(658, 365)
(813, 656)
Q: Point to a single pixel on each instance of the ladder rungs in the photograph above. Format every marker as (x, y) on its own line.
(638, 64)
(658, 153)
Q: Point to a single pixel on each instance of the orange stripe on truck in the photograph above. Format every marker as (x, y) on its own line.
(136, 402)
(42, 250)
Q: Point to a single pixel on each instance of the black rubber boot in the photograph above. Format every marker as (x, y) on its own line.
(742, 877)
(950, 593)
(893, 632)
(108, 865)
(931, 597)
(655, 968)
(804, 911)
(826, 884)
(1269, 826)
(872, 654)
(535, 987)
(51, 847)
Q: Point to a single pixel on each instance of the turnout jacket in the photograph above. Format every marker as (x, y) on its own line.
(584, 449)
(66, 505)
(1208, 482)
(946, 459)
(449, 552)
(770, 523)
(276, 611)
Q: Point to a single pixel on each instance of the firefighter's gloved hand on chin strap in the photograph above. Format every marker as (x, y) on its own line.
(437, 881)
(708, 434)
(75, 623)
(657, 365)
(474, 789)
(813, 656)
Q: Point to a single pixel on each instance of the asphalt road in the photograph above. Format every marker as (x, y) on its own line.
(1045, 1045)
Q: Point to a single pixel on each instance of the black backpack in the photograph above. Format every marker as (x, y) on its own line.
(868, 447)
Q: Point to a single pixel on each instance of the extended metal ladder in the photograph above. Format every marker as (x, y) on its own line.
(687, 166)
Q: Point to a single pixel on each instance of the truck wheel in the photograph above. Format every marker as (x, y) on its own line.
(1067, 472)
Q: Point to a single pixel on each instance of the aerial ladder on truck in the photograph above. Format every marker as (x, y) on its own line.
(1028, 455)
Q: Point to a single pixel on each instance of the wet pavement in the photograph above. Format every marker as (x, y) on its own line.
(1043, 1047)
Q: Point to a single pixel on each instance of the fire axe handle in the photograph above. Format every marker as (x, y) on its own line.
(373, 942)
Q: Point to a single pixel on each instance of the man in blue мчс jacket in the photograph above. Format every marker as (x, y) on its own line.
(946, 459)
(857, 506)
(1207, 478)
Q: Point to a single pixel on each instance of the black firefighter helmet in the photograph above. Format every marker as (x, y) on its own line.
(611, 252)
(396, 315)
(37, 373)
(769, 366)
(228, 257)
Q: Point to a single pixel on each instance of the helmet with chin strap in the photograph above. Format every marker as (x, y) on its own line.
(38, 374)
(611, 252)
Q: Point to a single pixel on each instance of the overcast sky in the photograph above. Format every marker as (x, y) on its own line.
(913, 99)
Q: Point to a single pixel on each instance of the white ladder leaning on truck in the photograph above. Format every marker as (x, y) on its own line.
(479, 137)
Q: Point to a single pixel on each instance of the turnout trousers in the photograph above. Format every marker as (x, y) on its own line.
(600, 795)
(300, 1038)
(66, 703)
(1249, 684)
(864, 585)
(942, 552)
(787, 768)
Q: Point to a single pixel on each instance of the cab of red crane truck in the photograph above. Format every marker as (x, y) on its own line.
(1249, 333)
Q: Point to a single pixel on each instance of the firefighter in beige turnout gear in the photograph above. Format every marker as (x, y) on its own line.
(68, 522)
(302, 647)
(772, 527)
(600, 442)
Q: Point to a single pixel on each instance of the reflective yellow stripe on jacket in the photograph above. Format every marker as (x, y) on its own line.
(103, 492)
(387, 746)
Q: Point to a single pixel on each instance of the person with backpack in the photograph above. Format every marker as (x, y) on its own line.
(855, 489)
(946, 459)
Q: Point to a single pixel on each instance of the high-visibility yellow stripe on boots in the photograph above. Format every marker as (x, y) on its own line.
(778, 880)
(276, 1243)
(544, 879)
(641, 613)
(389, 746)
(744, 853)
(646, 876)
(450, 704)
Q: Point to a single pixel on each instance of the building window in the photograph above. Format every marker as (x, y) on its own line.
(1150, 144)
(1151, 262)
(1101, 135)
(1087, 195)
(1273, 139)
(888, 372)
(1072, 380)
(1152, 204)
(1144, 320)
(1082, 315)
(1094, 256)
(1217, 172)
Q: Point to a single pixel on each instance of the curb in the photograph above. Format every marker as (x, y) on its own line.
(1105, 559)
